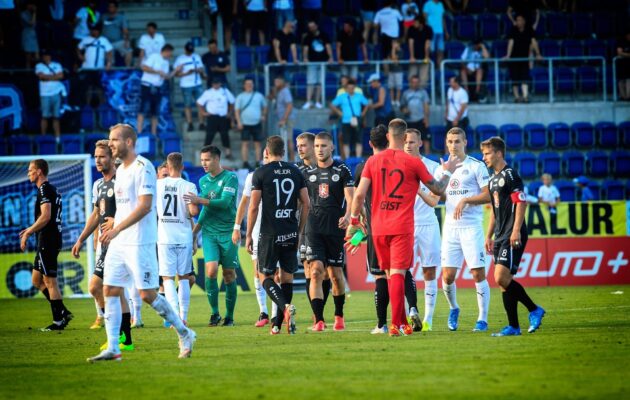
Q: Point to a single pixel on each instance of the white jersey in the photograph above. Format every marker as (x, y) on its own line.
(173, 220)
(467, 181)
(247, 191)
(423, 213)
(137, 179)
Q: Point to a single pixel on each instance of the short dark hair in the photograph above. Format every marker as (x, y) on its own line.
(168, 47)
(275, 145)
(324, 135)
(456, 78)
(397, 127)
(414, 77)
(420, 18)
(213, 150)
(212, 41)
(415, 132)
(496, 143)
(152, 25)
(115, 3)
(378, 137)
(351, 81)
(41, 164)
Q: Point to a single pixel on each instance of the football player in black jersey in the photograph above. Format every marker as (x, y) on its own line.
(507, 225)
(281, 188)
(47, 226)
(330, 188)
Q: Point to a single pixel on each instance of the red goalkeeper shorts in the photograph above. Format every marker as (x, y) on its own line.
(394, 251)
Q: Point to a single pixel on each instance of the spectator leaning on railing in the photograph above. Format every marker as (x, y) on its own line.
(473, 68)
(419, 39)
(95, 51)
(116, 30)
(283, 42)
(50, 74)
(191, 76)
(349, 39)
(521, 42)
(351, 107)
(316, 48)
(217, 63)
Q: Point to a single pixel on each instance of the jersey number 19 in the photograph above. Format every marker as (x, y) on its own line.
(286, 186)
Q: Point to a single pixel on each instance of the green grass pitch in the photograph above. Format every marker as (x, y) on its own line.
(581, 351)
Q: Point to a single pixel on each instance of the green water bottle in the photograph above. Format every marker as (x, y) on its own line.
(357, 238)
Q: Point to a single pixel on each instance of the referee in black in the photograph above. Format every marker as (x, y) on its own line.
(47, 226)
(507, 225)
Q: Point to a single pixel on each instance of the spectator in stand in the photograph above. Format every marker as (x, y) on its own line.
(368, 12)
(51, 89)
(227, 9)
(116, 30)
(419, 39)
(217, 64)
(9, 41)
(388, 19)
(284, 11)
(623, 66)
(349, 39)
(311, 10)
(216, 104)
(456, 105)
(85, 17)
(415, 107)
(521, 42)
(351, 107)
(155, 70)
(30, 45)
(395, 77)
(250, 110)
(316, 48)
(283, 42)
(548, 193)
(191, 73)
(410, 12)
(255, 19)
(584, 192)
(381, 101)
(456, 6)
(472, 68)
(343, 81)
(150, 43)
(529, 9)
(96, 53)
(433, 11)
(284, 112)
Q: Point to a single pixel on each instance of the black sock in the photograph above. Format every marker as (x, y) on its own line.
(103, 311)
(125, 327)
(511, 307)
(46, 294)
(520, 294)
(308, 289)
(56, 307)
(318, 309)
(381, 300)
(326, 288)
(287, 290)
(339, 302)
(275, 293)
(411, 293)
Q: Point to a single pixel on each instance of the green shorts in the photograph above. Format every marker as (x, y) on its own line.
(219, 248)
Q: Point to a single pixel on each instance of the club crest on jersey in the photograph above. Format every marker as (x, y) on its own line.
(110, 192)
(496, 200)
(454, 183)
(312, 178)
(213, 195)
(323, 190)
(335, 178)
(501, 182)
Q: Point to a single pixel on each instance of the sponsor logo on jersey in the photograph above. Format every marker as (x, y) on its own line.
(228, 189)
(110, 192)
(312, 178)
(454, 183)
(324, 190)
(501, 182)
(212, 195)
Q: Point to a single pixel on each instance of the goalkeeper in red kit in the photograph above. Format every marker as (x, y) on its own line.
(394, 177)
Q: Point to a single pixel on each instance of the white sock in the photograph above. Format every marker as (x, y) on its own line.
(113, 319)
(99, 312)
(130, 303)
(171, 293)
(184, 298)
(261, 296)
(451, 294)
(483, 299)
(274, 309)
(136, 302)
(430, 297)
(166, 311)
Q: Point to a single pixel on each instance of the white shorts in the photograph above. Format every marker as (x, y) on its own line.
(463, 243)
(127, 265)
(426, 246)
(175, 259)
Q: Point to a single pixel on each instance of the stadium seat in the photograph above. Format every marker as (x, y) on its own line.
(513, 136)
(582, 26)
(550, 48)
(567, 190)
(87, 118)
(453, 49)
(476, 6)
(466, 27)
(352, 163)
(71, 144)
(152, 141)
(89, 141)
(498, 6)
(525, 163)
(613, 190)
(541, 29)
(486, 131)
(21, 145)
(299, 83)
(508, 158)
(499, 49)
(549, 162)
(598, 163)
(572, 48)
(533, 187)
(540, 79)
(109, 116)
(603, 25)
(536, 135)
(607, 135)
(624, 133)
(262, 54)
(332, 84)
(171, 142)
(596, 189)
(45, 144)
(588, 79)
(596, 48)
(194, 174)
(433, 157)
(489, 27)
(560, 135)
(564, 78)
(584, 134)
(558, 25)
(574, 163)
(620, 166)
(244, 58)
(476, 155)
(438, 137)
(470, 139)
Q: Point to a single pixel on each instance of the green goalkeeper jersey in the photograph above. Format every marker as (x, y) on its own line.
(217, 218)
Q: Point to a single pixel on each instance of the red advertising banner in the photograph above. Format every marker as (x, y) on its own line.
(546, 262)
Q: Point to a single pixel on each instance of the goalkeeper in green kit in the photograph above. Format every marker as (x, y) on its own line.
(218, 190)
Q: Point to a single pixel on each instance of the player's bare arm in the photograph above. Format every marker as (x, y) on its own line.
(481, 198)
(252, 215)
(489, 243)
(515, 237)
(90, 226)
(193, 210)
(345, 220)
(305, 203)
(438, 186)
(356, 207)
(142, 209)
(194, 199)
(429, 198)
(41, 222)
(240, 214)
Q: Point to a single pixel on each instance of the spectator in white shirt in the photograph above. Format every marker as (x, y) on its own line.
(548, 193)
(216, 104)
(456, 105)
(250, 110)
(51, 90)
(471, 67)
(95, 52)
(116, 30)
(155, 70)
(191, 77)
(388, 19)
(150, 43)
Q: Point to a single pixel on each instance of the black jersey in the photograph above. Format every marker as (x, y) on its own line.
(280, 183)
(328, 203)
(104, 199)
(506, 190)
(368, 197)
(51, 233)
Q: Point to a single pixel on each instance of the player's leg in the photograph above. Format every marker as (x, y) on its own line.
(335, 260)
(268, 257)
(401, 253)
(429, 260)
(211, 254)
(167, 262)
(381, 293)
(46, 263)
(288, 267)
(475, 255)
(136, 306)
(316, 292)
(230, 263)
(125, 324)
(452, 258)
(184, 272)
(411, 291)
(261, 296)
(95, 287)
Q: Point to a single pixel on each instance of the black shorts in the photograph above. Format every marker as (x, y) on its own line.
(100, 263)
(302, 249)
(325, 248)
(150, 99)
(419, 125)
(46, 260)
(372, 261)
(519, 72)
(386, 46)
(272, 251)
(251, 132)
(507, 256)
(350, 134)
(256, 20)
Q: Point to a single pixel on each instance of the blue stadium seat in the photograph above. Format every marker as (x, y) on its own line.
(499, 49)
(477, 155)
(541, 29)
(582, 25)
(332, 84)
(109, 116)
(588, 79)
(536, 136)
(299, 83)
(45, 144)
(503, 80)
(438, 137)
(453, 49)
(489, 27)
(525, 163)
(603, 24)
(598, 163)
(4, 147)
(567, 190)
(628, 190)
(466, 27)
(171, 142)
(513, 136)
(574, 163)
(572, 48)
(296, 132)
(508, 158)
(596, 189)
(21, 145)
(152, 151)
(498, 6)
(244, 58)
(596, 47)
(624, 133)
(550, 48)
(533, 187)
(607, 134)
(564, 78)
(434, 157)
(620, 163)
(540, 79)
(262, 54)
(486, 131)
(470, 139)
(87, 118)
(549, 162)
(613, 190)
(476, 6)
(557, 25)
(352, 163)
(194, 174)
(560, 135)
(584, 134)
(89, 141)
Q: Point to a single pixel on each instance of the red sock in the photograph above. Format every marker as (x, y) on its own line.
(397, 298)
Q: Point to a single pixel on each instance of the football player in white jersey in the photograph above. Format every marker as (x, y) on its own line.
(462, 235)
(132, 241)
(426, 235)
(175, 238)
